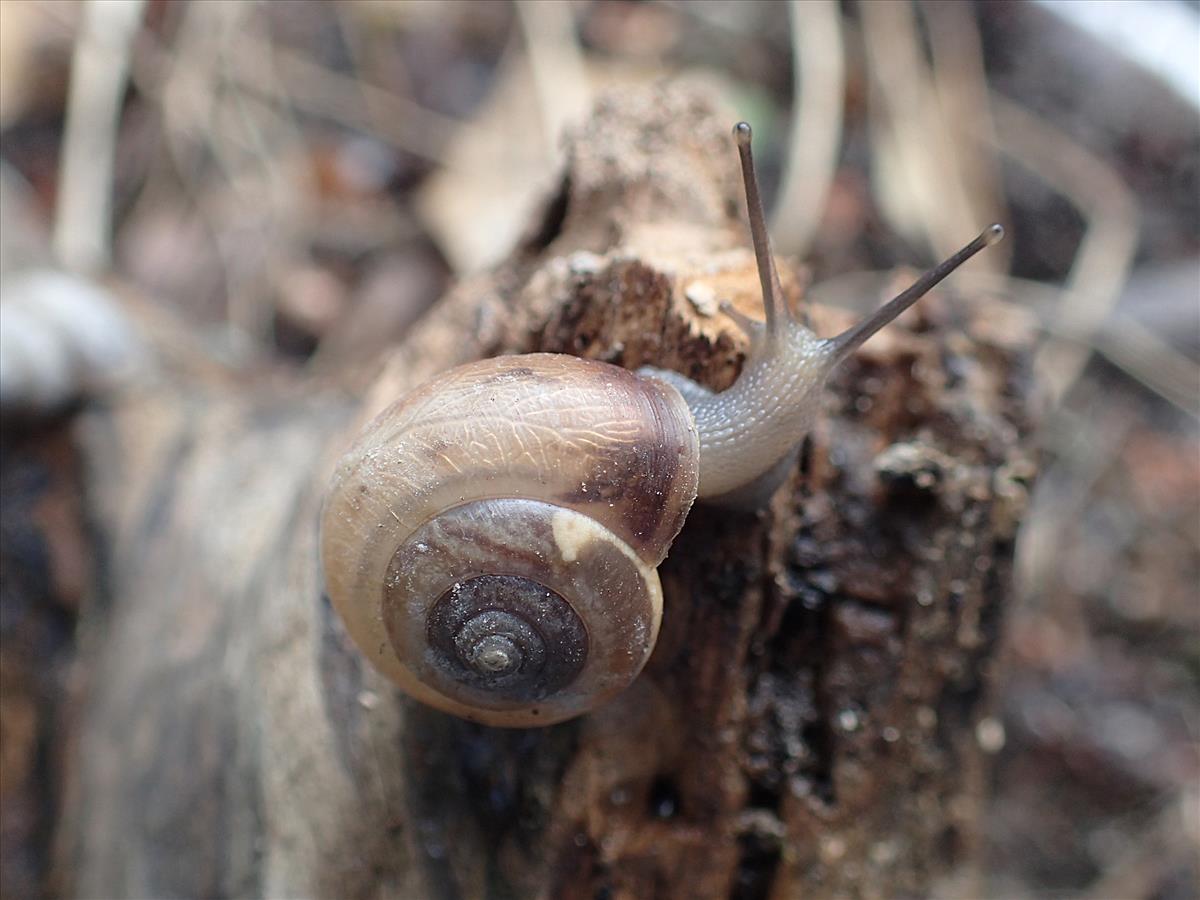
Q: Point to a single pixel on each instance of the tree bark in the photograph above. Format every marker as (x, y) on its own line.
(807, 723)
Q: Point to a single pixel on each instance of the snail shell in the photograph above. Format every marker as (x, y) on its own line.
(491, 540)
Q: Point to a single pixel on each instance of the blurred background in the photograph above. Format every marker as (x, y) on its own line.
(298, 181)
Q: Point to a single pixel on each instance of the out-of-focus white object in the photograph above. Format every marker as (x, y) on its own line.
(1162, 37)
(60, 335)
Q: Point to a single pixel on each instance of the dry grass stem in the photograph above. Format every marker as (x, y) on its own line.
(960, 83)
(99, 73)
(814, 141)
(392, 118)
(556, 60)
(1085, 442)
(1105, 255)
(921, 186)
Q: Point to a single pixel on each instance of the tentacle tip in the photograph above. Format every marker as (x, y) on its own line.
(993, 234)
(751, 326)
(742, 133)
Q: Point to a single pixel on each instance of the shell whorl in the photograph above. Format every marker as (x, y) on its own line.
(510, 636)
(490, 541)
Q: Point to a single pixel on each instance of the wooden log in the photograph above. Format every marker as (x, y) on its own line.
(807, 723)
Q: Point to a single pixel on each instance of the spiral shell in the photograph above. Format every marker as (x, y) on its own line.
(491, 540)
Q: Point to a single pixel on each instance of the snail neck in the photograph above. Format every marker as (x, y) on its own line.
(750, 434)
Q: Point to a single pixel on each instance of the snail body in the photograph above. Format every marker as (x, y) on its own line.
(491, 540)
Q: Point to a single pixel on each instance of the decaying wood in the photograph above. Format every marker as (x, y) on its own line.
(807, 723)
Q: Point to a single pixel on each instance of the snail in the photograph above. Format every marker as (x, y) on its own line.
(491, 540)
